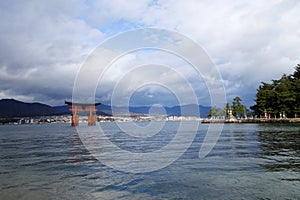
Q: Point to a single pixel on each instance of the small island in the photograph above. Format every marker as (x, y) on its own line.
(276, 102)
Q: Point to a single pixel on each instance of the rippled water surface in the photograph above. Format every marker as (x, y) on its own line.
(250, 161)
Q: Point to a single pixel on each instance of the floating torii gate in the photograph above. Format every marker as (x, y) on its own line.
(83, 107)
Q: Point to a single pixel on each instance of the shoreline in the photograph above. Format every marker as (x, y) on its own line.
(66, 119)
(254, 120)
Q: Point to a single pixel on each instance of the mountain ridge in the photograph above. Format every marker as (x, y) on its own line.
(16, 108)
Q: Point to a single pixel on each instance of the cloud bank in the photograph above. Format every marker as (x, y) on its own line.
(44, 43)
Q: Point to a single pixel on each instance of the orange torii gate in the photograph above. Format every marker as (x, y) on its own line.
(82, 107)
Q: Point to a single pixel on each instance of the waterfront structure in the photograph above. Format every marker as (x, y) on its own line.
(83, 107)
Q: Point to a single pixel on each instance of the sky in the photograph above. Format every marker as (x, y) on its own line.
(44, 44)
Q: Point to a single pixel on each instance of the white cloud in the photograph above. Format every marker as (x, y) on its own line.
(126, 73)
(42, 45)
(250, 41)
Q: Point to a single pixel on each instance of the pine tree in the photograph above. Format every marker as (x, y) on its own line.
(279, 98)
(238, 109)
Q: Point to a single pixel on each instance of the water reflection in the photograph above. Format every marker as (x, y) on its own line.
(280, 146)
(253, 161)
(238, 141)
(77, 152)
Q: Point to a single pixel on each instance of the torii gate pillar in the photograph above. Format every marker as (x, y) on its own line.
(81, 107)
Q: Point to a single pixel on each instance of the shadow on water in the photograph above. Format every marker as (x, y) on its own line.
(280, 146)
(77, 152)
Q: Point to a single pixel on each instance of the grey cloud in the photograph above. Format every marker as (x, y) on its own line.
(43, 43)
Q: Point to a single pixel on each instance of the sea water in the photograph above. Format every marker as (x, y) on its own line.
(249, 161)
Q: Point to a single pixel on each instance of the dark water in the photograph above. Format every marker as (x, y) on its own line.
(250, 161)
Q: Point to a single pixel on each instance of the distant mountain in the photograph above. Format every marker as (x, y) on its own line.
(14, 108)
(102, 109)
(189, 110)
(185, 110)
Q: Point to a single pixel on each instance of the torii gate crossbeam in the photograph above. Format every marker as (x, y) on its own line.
(82, 107)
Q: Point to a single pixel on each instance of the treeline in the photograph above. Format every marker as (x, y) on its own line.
(237, 109)
(280, 98)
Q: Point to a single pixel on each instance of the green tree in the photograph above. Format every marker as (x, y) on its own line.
(214, 112)
(285, 96)
(280, 96)
(265, 98)
(296, 90)
(226, 110)
(238, 109)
